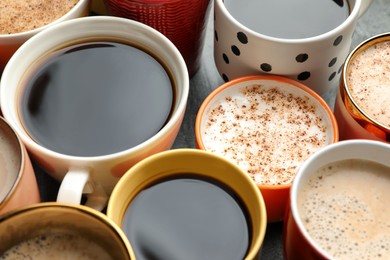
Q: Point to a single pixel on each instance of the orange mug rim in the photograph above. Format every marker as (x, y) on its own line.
(233, 82)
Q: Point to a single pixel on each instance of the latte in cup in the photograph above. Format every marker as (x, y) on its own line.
(368, 81)
(343, 207)
(22, 16)
(57, 246)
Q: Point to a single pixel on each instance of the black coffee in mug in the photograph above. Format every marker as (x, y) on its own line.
(289, 19)
(95, 98)
(187, 217)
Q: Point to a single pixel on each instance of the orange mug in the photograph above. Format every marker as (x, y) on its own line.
(268, 125)
(18, 186)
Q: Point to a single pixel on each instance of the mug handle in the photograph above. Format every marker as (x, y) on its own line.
(76, 183)
(364, 6)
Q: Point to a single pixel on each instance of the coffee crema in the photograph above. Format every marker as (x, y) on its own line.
(344, 208)
(368, 81)
(21, 16)
(95, 98)
(57, 246)
(187, 217)
(293, 19)
(267, 131)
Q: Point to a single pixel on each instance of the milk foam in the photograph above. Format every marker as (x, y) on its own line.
(368, 80)
(20, 16)
(265, 130)
(57, 246)
(344, 207)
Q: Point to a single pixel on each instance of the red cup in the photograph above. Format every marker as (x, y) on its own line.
(183, 22)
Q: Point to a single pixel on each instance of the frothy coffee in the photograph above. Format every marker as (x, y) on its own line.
(21, 16)
(266, 130)
(343, 207)
(10, 160)
(57, 246)
(368, 78)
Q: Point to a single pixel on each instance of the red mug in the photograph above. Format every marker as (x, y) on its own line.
(183, 22)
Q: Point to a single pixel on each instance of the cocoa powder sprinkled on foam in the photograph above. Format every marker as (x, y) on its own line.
(368, 80)
(25, 15)
(267, 132)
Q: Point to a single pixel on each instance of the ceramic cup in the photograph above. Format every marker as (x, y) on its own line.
(315, 61)
(200, 165)
(96, 175)
(268, 125)
(9, 43)
(183, 22)
(64, 231)
(338, 204)
(18, 186)
(362, 100)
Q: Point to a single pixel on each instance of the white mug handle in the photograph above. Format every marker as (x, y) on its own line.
(76, 183)
(364, 6)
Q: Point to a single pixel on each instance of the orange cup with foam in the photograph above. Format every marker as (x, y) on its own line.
(268, 125)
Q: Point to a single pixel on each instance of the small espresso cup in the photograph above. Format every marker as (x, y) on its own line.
(95, 174)
(18, 186)
(275, 37)
(362, 100)
(183, 22)
(61, 231)
(39, 19)
(189, 204)
(338, 204)
(267, 125)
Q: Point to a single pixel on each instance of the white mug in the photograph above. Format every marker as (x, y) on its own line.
(95, 175)
(315, 61)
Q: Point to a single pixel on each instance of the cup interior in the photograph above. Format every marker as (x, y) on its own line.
(11, 160)
(199, 163)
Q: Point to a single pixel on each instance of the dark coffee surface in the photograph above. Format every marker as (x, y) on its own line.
(96, 98)
(291, 19)
(187, 218)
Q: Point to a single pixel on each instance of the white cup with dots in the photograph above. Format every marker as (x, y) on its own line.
(306, 41)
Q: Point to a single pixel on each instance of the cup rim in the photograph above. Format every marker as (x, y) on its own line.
(346, 92)
(22, 165)
(232, 83)
(29, 33)
(293, 205)
(354, 13)
(120, 24)
(102, 218)
(121, 185)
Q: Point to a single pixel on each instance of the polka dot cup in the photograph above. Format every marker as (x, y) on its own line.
(267, 125)
(315, 61)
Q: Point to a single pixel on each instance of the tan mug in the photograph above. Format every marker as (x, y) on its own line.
(95, 175)
(18, 185)
(189, 204)
(62, 231)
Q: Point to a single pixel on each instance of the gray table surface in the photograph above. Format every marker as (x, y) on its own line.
(376, 20)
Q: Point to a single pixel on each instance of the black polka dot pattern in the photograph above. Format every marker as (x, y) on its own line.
(242, 37)
(216, 35)
(225, 58)
(332, 76)
(338, 40)
(302, 57)
(265, 67)
(332, 62)
(236, 50)
(304, 75)
(225, 78)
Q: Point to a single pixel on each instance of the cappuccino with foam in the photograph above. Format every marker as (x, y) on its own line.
(343, 207)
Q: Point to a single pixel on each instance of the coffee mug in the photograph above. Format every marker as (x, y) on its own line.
(18, 185)
(276, 38)
(338, 204)
(361, 105)
(62, 231)
(161, 106)
(183, 22)
(189, 204)
(268, 125)
(35, 20)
